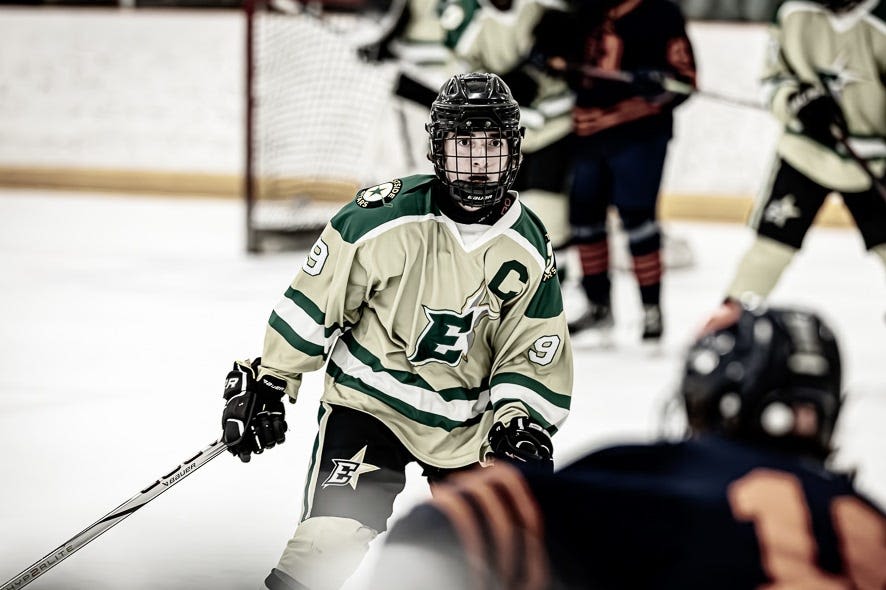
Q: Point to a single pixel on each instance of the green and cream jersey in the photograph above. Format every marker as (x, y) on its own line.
(490, 40)
(436, 328)
(420, 47)
(848, 53)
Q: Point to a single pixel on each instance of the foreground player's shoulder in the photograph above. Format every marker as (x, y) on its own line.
(633, 457)
(481, 527)
(383, 206)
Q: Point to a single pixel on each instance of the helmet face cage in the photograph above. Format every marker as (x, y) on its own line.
(773, 378)
(475, 137)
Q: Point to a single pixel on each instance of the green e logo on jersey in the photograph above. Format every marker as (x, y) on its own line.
(448, 335)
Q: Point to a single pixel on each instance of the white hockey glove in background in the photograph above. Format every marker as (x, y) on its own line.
(253, 418)
(522, 440)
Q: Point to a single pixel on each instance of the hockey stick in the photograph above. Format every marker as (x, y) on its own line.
(668, 84)
(843, 139)
(79, 540)
(876, 183)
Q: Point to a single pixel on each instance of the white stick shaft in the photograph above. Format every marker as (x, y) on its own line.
(79, 540)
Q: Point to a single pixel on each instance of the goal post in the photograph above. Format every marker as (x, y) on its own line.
(312, 114)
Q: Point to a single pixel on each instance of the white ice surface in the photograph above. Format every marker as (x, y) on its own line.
(120, 317)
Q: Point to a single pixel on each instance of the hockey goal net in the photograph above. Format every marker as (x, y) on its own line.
(312, 113)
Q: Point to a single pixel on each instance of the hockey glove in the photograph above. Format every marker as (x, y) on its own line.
(253, 418)
(522, 440)
(374, 52)
(818, 112)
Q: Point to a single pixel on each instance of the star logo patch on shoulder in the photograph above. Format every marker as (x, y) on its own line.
(379, 195)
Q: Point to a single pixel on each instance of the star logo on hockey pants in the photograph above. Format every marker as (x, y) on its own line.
(782, 210)
(348, 471)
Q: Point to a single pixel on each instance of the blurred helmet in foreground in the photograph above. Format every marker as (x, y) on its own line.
(773, 378)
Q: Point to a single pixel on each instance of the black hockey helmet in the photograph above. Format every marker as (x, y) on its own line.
(475, 105)
(772, 378)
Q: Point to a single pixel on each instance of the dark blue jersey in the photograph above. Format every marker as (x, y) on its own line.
(708, 513)
(601, 45)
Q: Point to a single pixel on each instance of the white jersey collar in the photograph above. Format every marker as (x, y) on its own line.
(473, 235)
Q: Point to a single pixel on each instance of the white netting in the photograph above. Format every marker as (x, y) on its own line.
(316, 108)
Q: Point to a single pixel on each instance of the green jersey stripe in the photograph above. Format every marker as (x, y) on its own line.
(546, 302)
(552, 413)
(416, 415)
(294, 340)
(301, 322)
(552, 429)
(313, 471)
(529, 226)
(421, 399)
(557, 399)
(308, 306)
(321, 336)
(411, 379)
(412, 199)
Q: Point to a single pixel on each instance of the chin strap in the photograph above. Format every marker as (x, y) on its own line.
(486, 215)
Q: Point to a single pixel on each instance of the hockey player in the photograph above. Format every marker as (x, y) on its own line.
(745, 503)
(825, 77)
(498, 36)
(616, 55)
(435, 304)
(415, 43)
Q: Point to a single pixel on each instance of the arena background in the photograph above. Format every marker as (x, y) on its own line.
(152, 100)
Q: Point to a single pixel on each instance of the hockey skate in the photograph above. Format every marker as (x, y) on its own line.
(594, 327)
(652, 323)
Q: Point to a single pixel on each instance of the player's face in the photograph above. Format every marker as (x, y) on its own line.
(476, 158)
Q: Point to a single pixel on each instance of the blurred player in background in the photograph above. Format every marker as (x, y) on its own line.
(415, 43)
(825, 78)
(436, 302)
(746, 502)
(618, 55)
(498, 36)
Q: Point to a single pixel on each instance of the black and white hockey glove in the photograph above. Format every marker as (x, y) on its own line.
(253, 418)
(522, 440)
(818, 112)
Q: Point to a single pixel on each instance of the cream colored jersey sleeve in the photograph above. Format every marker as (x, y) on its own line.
(532, 369)
(325, 298)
